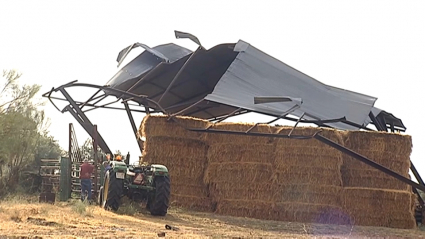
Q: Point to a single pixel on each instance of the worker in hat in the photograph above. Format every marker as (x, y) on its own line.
(85, 177)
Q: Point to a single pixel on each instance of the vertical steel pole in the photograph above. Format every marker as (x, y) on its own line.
(95, 161)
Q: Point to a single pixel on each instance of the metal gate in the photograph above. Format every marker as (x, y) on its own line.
(76, 159)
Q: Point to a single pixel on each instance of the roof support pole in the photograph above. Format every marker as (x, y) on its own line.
(376, 122)
(187, 108)
(277, 118)
(224, 118)
(296, 124)
(178, 74)
(83, 120)
(133, 125)
(91, 97)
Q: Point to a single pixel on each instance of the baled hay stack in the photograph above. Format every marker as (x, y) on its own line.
(309, 157)
(184, 153)
(371, 178)
(311, 213)
(391, 150)
(379, 207)
(307, 175)
(184, 158)
(159, 125)
(240, 153)
(308, 193)
(175, 147)
(247, 208)
(244, 173)
(308, 178)
(235, 190)
(214, 138)
(192, 202)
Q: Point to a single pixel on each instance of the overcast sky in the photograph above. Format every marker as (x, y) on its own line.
(371, 47)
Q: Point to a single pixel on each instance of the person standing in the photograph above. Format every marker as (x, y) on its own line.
(85, 177)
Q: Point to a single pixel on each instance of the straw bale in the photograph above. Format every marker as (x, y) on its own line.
(308, 193)
(395, 143)
(178, 167)
(173, 147)
(233, 152)
(189, 188)
(243, 172)
(311, 213)
(401, 220)
(236, 190)
(313, 157)
(204, 204)
(332, 134)
(407, 222)
(371, 178)
(159, 125)
(213, 138)
(247, 208)
(307, 175)
(396, 163)
(371, 200)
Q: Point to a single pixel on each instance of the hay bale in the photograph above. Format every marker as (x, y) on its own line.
(214, 138)
(247, 208)
(371, 178)
(307, 175)
(246, 173)
(378, 207)
(233, 152)
(189, 188)
(400, 220)
(396, 163)
(179, 168)
(159, 125)
(395, 143)
(332, 134)
(174, 147)
(311, 157)
(235, 190)
(190, 202)
(308, 193)
(369, 199)
(311, 213)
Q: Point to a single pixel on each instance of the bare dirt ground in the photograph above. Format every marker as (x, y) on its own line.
(26, 218)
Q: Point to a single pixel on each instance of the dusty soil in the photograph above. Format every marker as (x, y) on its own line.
(25, 218)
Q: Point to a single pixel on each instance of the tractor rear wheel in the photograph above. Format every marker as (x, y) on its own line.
(158, 205)
(112, 191)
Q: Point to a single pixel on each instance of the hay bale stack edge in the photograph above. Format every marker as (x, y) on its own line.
(300, 180)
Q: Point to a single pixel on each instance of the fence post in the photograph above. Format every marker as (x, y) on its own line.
(65, 179)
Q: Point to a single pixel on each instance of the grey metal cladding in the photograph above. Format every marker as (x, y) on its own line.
(254, 73)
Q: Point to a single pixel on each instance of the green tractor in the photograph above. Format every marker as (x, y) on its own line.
(149, 183)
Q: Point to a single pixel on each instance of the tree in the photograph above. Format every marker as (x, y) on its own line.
(23, 130)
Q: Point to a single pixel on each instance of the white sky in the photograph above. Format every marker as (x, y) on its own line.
(371, 47)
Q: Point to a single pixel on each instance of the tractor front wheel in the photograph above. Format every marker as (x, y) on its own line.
(158, 204)
(112, 191)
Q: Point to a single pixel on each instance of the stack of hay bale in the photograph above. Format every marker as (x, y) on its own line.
(371, 197)
(184, 153)
(283, 179)
(240, 170)
(308, 178)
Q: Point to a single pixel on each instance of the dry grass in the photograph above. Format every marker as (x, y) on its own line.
(60, 221)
